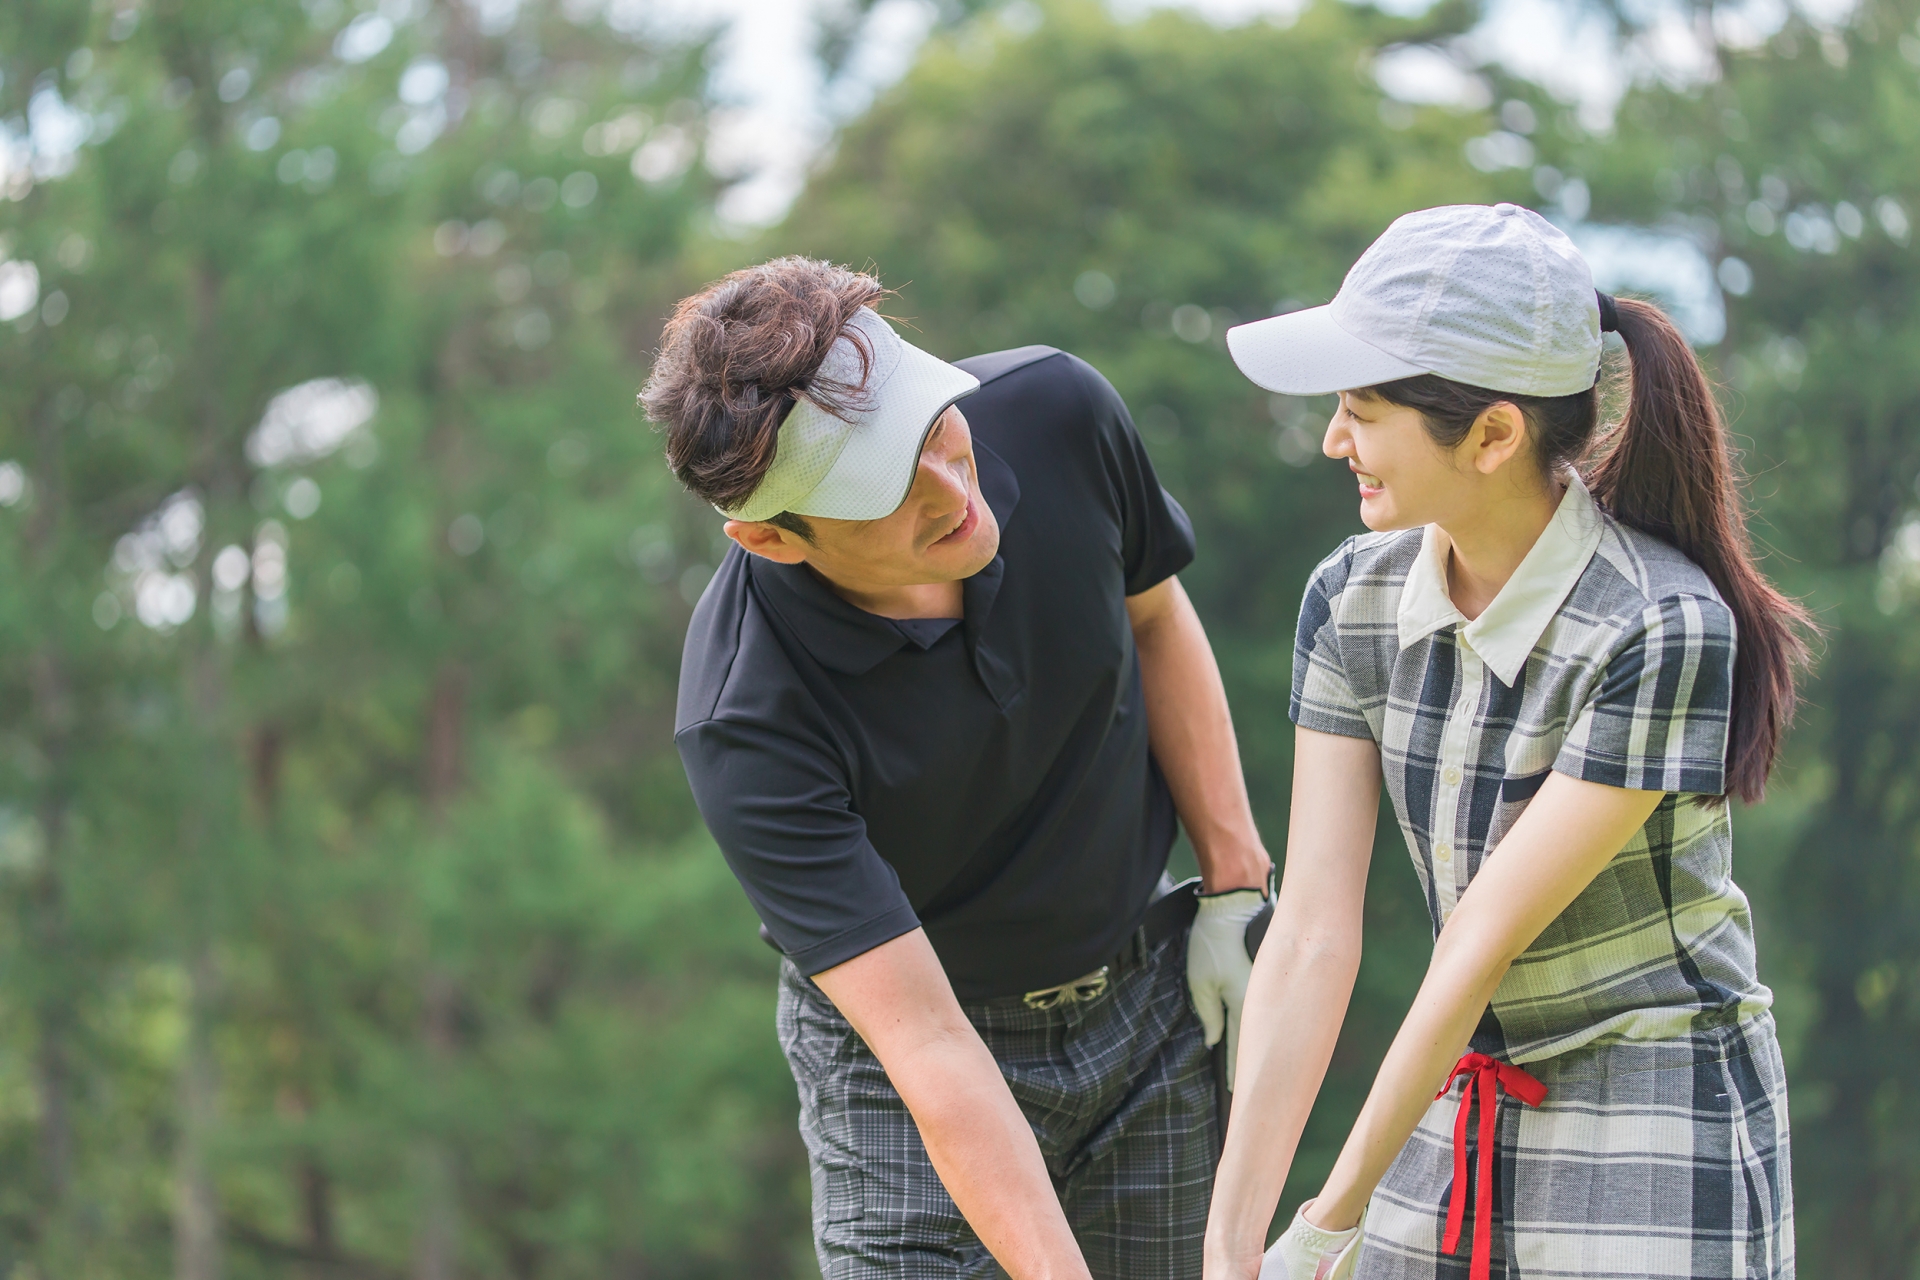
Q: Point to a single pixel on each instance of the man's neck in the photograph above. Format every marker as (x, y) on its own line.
(920, 600)
(1489, 548)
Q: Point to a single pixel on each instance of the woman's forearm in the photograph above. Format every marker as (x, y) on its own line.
(1459, 983)
(1569, 832)
(1296, 1001)
(1298, 993)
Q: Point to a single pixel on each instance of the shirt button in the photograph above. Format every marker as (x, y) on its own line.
(1443, 852)
(1452, 775)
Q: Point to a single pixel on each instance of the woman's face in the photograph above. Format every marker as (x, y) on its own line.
(1406, 480)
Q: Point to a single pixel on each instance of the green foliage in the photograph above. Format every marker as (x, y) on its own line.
(351, 925)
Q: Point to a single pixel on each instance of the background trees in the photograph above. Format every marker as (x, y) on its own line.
(350, 924)
(353, 916)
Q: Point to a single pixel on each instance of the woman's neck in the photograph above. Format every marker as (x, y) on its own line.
(1490, 544)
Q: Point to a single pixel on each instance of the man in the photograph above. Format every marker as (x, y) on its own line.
(940, 706)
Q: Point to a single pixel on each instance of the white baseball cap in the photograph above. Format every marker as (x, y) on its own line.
(858, 467)
(1492, 296)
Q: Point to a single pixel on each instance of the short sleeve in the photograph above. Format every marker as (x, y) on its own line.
(1323, 698)
(782, 816)
(1156, 534)
(1658, 715)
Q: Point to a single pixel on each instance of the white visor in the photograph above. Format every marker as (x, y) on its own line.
(858, 467)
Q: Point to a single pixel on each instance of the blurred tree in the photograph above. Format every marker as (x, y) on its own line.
(1795, 169)
(347, 921)
(347, 927)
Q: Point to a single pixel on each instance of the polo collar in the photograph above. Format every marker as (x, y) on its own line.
(1508, 629)
(845, 638)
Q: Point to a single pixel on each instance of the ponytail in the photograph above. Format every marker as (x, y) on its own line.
(1667, 469)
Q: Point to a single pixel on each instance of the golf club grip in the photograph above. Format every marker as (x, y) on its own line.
(1257, 928)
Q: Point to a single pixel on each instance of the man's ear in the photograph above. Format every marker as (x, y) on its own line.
(766, 540)
(1499, 436)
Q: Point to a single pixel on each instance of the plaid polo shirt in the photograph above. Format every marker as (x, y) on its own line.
(1608, 656)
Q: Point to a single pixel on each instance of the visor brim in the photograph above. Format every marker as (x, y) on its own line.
(875, 469)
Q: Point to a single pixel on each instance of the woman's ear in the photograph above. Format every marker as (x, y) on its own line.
(1499, 436)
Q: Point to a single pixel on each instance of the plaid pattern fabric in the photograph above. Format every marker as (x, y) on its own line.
(1648, 1161)
(1120, 1094)
(1608, 657)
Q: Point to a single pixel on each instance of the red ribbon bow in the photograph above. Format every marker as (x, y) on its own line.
(1487, 1073)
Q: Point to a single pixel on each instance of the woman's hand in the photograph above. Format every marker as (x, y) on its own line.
(1306, 1252)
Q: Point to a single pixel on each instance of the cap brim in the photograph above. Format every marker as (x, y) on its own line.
(1304, 353)
(875, 469)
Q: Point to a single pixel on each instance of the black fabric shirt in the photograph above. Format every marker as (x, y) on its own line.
(991, 782)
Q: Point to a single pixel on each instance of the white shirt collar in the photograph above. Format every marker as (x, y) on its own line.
(1507, 630)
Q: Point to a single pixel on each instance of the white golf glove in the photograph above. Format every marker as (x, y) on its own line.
(1218, 965)
(1305, 1252)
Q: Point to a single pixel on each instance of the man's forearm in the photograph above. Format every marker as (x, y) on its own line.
(1191, 732)
(898, 998)
(985, 1154)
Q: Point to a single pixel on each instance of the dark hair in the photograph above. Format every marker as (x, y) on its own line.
(1667, 469)
(732, 359)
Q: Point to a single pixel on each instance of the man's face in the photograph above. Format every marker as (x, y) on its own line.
(943, 532)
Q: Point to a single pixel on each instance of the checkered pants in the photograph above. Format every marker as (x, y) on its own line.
(1120, 1094)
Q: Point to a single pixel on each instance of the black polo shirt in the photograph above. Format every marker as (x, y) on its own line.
(988, 780)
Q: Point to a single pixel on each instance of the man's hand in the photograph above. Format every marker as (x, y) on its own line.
(1191, 733)
(1218, 965)
(898, 998)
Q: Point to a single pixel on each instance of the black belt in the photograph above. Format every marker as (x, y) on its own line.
(1170, 914)
(1167, 915)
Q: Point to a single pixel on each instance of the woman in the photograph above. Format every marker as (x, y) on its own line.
(1536, 651)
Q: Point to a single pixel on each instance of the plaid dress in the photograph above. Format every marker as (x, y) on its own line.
(1661, 1147)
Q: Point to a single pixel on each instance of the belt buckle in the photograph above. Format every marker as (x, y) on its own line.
(1084, 989)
